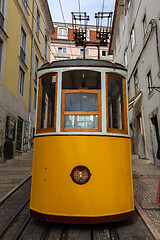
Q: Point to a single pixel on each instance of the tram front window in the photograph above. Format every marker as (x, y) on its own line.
(81, 121)
(46, 104)
(116, 104)
(81, 101)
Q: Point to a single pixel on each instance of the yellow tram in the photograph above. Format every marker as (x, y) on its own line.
(82, 170)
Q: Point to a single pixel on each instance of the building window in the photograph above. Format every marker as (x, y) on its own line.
(104, 53)
(87, 34)
(136, 87)
(1, 47)
(62, 50)
(23, 45)
(38, 22)
(133, 38)
(84, 33)
(62, 31)
(36, 67)
(86, 51)
(125, 58)
(150, 84)
(35, 98)
(2, 13)
(46, 45)
(127, 4)
(21, 81)
(144, 25)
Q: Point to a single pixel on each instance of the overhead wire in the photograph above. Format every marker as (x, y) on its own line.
(102, 13)
(62, 12)
(79, 10)
(65, 24)
(79, 6)
(113, 3)
(102, 5)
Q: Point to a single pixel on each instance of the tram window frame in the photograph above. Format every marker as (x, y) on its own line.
(86, 113)
(124, 130)
(48, 129)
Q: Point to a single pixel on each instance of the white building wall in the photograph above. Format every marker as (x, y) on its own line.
(142, 60)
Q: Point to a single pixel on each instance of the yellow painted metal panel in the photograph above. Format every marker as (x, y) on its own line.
(109, 190)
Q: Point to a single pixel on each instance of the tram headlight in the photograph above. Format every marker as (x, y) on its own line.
(80, 174)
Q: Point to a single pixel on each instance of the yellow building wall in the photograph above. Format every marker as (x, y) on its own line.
(11, 76)
(12, 49)
(12, 103)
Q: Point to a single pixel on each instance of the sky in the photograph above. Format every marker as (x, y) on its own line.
(89, 6)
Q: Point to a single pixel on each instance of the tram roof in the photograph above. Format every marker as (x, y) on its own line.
(82, 62)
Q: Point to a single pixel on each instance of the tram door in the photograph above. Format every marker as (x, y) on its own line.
(19, 134)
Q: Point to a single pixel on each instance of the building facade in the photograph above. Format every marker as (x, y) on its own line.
(135, 42)
(25, 33)
(63, 44)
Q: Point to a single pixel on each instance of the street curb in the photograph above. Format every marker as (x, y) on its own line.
(147, 221)
(2, 199)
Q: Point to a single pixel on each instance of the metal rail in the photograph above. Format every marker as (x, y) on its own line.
(9, 223)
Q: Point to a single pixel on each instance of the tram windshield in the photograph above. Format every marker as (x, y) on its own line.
(81, 100)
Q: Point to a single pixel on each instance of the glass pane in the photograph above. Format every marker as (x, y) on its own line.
(47, 102)
(115, 102)
(81, 121)
(81, 102)
(81, 79)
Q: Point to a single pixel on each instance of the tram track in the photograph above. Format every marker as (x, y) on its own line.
(11, 221)
(16, 223)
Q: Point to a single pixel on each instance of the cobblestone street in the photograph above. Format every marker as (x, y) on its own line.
(145, 181)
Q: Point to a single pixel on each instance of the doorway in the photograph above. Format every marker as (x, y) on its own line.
(19, 134)
(140, 135)
(155, 136)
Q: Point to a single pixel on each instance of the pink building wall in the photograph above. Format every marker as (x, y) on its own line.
(63, 46)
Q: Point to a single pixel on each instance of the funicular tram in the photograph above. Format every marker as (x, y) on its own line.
(82, 171)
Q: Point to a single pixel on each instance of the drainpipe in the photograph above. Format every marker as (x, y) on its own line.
(84, 52)
(31, 75)
(98, 51)
(154, 24)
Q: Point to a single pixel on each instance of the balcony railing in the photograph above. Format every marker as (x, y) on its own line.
(22, 54)
(1, 20)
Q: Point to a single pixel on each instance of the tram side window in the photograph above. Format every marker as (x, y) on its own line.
(47, 103)
(116, 104)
